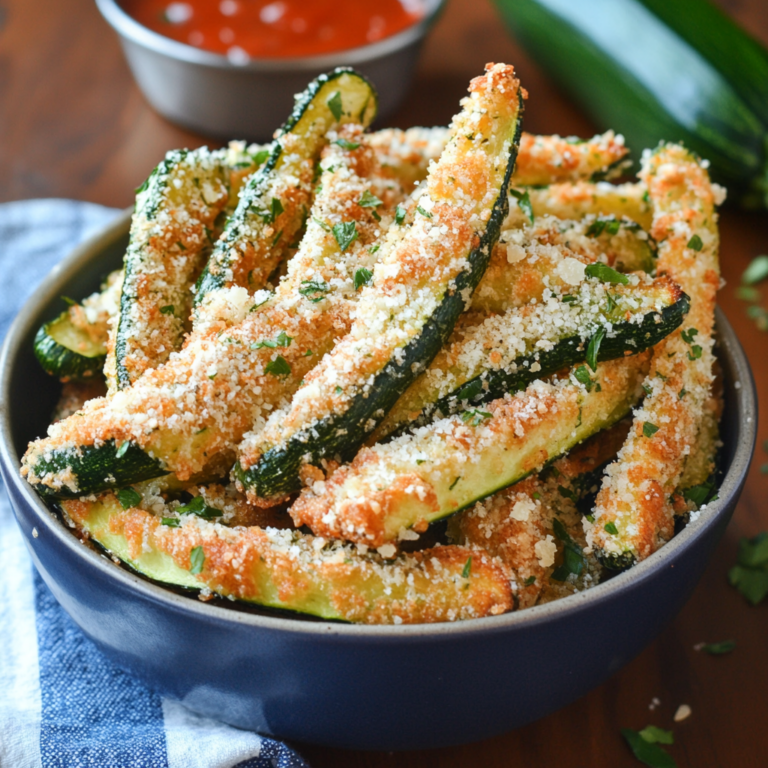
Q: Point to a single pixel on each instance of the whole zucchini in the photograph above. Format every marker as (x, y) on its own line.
(652, 69)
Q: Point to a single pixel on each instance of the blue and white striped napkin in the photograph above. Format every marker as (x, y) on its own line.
(63, 704)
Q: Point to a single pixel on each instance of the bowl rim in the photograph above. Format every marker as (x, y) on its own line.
(130, 29)
(86, 253)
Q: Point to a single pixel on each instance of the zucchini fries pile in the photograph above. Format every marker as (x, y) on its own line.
(320, 348)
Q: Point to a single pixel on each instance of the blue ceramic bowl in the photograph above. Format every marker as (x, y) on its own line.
(362, 687)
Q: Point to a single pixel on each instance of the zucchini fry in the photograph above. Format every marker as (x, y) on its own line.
(73, 347)
(440, 469)
(488, 356)
(637, 489)
(530, 259)
(293, 571)
(274, 201)
(408, 312)
(176, 209)
(249, 354)
(517, 526)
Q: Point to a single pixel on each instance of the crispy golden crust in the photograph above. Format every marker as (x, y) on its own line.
(291, 570)
(637, 490)
(409, 283)
(203, 400)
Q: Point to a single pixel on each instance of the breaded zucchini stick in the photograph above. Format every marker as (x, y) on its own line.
(516, 525)
(249, 354)
(442, 468)
(293, 571)
(176, 209)
(635, 498)
(408, 312)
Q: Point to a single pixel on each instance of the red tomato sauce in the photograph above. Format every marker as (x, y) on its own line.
(246, 29)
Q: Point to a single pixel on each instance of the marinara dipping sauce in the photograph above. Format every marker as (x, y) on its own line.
(256, 29)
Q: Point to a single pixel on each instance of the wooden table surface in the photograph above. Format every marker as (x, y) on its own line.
(73, 124)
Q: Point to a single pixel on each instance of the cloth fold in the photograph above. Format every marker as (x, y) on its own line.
(62, 703)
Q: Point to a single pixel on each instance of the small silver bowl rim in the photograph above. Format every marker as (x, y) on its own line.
(126, 26)
(83, 258)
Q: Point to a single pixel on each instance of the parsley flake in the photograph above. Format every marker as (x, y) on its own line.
(334, 104)
(756, 271)
(124, 446)
(719, 649)
(608, 224)
(346, 144)
(467, 568)
(523, 202)
(701, 494)
(649, 430)
(171, 522)
(611, 528)
(399, 214)
(605, 274)
(530, 580)
(168, 309)
(695, 352)
(363, 277)
(311, 287)
(646, 752)
(260, 157)
(423, 212)
(275, 209)
(750, 574)
(278, 367)
(345, 233)
(196, 560)
(573, 557)
(475, 417)
(368, 200)
(198, 507)
(128, 497)
(581, 374)
(593, 347)
(453, 484)
(689, 334)
(695, 243)
(654, 735)
(321, 224)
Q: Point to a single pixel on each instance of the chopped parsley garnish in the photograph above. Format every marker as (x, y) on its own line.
(649, 430)
(701, 494)
(399, 214)
(569, 298)
(573, 557)
(453, 484)
(196, 560)
(524, 202)
(171, 522)
(124, 446)
(611, 528)
(334, 104)
(747, 293)
(308, 353)
(470, 390)
(181, 245)
(128, 497)
(368, 200)
(581, 374)
(475, 417)
(321, 224)
(593, 347)
(276, 238)
(695, 352)
(346, 144)
(374, 248)
(648, 752)
(689, 334)
(647, 389)
(198, 507)
(260, 304)
(363, 277)
(695, 243)
(311, 287)
(278, 367)
(654, 735)
(339, 390)
(610, 302)
(275, 209)
(467, 568)
(168, 309)
(530, 580)
(610, 225)
(260, 156)
(605, 274)
(423, 212)
(719, 649)
(682, 393)
(750, 574)
(69, 302)
(756, 271)
(345, 233)
(567, 493)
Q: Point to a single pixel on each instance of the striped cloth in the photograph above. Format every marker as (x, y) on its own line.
(63, 704)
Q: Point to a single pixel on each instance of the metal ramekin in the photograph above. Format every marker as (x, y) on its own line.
(207, 93)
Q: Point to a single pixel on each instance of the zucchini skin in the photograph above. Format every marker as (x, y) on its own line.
(277, 471)
(61, 361)
(636, 49)
(628, 339)
(247, 220)
(96, 469)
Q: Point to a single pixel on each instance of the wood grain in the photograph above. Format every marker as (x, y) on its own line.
(72, 124)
